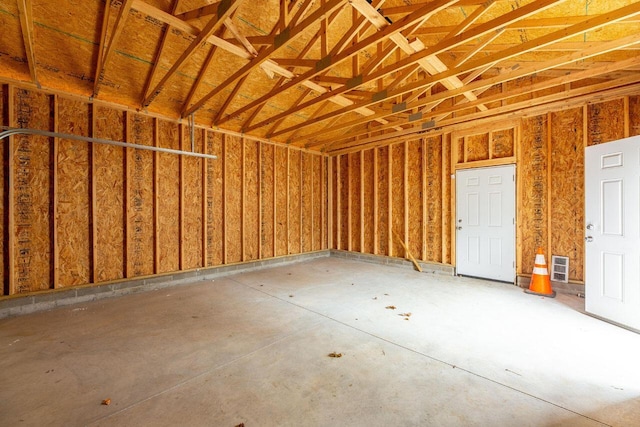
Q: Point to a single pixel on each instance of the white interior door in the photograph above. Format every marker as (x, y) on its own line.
(485, 223)
(612, 206)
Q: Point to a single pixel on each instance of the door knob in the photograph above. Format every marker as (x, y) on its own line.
(589, 226)
(458, 228)
(588, 239)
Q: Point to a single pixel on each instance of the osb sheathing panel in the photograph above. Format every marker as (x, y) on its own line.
(109, 182)
(140, 244)
(368, 186)
(31, 201)
(282, 209)
(3, 190)
(294, 201)
(354, 171)
(334, 202)
(168, 198)
(345, 188)
(567, 189)
(477, 147)
(73, 196)
(414, 201)
(318, 202)
(215, 201)
(252, 202)
(634, 115)
(502, 143)
(397, 195)
(605, 122)
(382, 181)
(447, 199)
(233, 198)
(533, 190)
(192, 220)
(307, 201)
(433, 196)
(267, 193)
(14, 64)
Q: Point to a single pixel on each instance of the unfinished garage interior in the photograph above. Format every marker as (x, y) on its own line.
(319, 212)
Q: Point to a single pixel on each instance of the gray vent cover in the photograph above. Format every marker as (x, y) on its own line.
(560, 268)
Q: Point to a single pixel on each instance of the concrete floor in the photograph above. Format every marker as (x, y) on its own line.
(253, 348)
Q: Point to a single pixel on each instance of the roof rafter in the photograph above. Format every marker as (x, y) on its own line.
(224, 10)
(287, 35)
(107, 48)
(398, 26)
(25, 11)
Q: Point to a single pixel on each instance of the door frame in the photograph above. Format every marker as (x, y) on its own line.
(454, 209)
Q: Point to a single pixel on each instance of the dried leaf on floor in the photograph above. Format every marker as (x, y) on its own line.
(405, 314)
(240, 425)
(375, 297)
(334, 354)
(391, 307)
(106, 402)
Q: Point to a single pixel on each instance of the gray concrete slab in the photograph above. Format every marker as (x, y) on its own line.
(252, 348)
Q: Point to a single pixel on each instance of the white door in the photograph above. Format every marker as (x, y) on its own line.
(485, 223)
(612, 219)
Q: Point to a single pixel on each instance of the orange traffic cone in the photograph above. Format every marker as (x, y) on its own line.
(540, 282)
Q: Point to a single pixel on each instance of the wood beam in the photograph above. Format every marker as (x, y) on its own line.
(106, 49)
(25, 11)
(286, 36)
(587, 25)
(201, 74)
(224, 11)
(349, 52)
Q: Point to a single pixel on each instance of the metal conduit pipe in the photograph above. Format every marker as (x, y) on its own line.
(23, 131)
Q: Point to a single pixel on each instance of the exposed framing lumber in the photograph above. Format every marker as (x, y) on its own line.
(158, 56)
(55, 149)
(292, 34)
(243, 200)
(156, 188)
(349, 202)
(376, 206)
(93, 205)
(127, 153)
(224, 11)
(485, 83)
(11, 178)
(25, 11)
(106, 48)
(181, 202)
(205, 206)
(225, 259)
(202, 73)
(348, 53)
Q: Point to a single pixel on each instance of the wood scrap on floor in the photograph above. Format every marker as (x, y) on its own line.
(391, 307)
(334, 354)
(408, 252)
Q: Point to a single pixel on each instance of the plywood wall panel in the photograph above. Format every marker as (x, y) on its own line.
(447, 199)
(344, 203)
(334, 203)
(109, 182)
(567, 189)
(140, 244)
(433, 215)
(477, 147)
(307, 201)
(368, 185)
(605, 122)
(532, 190)
(252, 202)
(414, 201)
(397, 195)
(355, 182)
(168, 198)
(192, 220)
(73, 191)
(31, 201)
(267, 194)
(4, 190)
(282, 209)
(215, 201)
(634, 115)
(295, 206)
(503, 143)
(382, 181)
(318, 202)
(233, 198)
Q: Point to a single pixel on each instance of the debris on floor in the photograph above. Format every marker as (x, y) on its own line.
(291, 296)
(106, 402)
(406, 315)
(240, 425)
(391, 307)
(334, 354)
